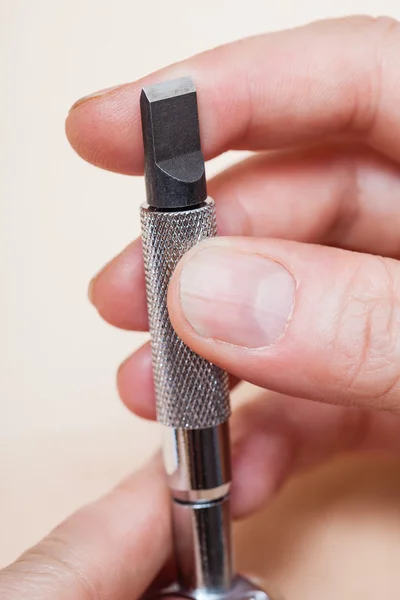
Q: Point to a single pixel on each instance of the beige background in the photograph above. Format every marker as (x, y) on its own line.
(64, 435)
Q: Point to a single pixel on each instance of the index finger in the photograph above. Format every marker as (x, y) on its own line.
(271, 91)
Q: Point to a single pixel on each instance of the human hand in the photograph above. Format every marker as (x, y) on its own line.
(303, 295)
(112, 549)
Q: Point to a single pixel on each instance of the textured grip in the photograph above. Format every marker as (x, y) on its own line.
(191, 392)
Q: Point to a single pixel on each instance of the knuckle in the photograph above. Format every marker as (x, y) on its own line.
(385, 25)
(380, 39)
(366, 345)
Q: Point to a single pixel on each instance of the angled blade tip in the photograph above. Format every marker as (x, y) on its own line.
(169, 89)
(174, 163)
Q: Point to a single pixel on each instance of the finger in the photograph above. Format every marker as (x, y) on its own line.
(136, 386)
(342, 195)
(345, 196)
(309, 321)
(118, 292)
(103, 551)
(328, 78)
(275, 436)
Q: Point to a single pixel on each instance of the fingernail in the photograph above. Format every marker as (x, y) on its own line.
(91, 291)
(92, 283)
(97, 94)
(236, 297)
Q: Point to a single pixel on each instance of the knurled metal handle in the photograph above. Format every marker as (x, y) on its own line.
(191, 393)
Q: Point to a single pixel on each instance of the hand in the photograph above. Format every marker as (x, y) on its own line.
(303, 295)
(111, 549)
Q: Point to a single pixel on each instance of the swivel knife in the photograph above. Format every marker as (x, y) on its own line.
(192, 394)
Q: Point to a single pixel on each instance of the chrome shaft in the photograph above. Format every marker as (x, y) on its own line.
(199, 475)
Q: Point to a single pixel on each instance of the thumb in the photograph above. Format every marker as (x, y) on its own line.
(110, 549)
(309, 321)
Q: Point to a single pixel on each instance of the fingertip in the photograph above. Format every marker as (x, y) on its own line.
(203, 344)
(96, 129)
(260, 464)
(263, 452)
(174, 298)
(135, 383)
(118, 290)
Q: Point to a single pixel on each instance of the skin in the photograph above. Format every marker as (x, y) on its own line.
(325, 206)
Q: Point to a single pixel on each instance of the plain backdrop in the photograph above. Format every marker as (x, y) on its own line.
(64, 435)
